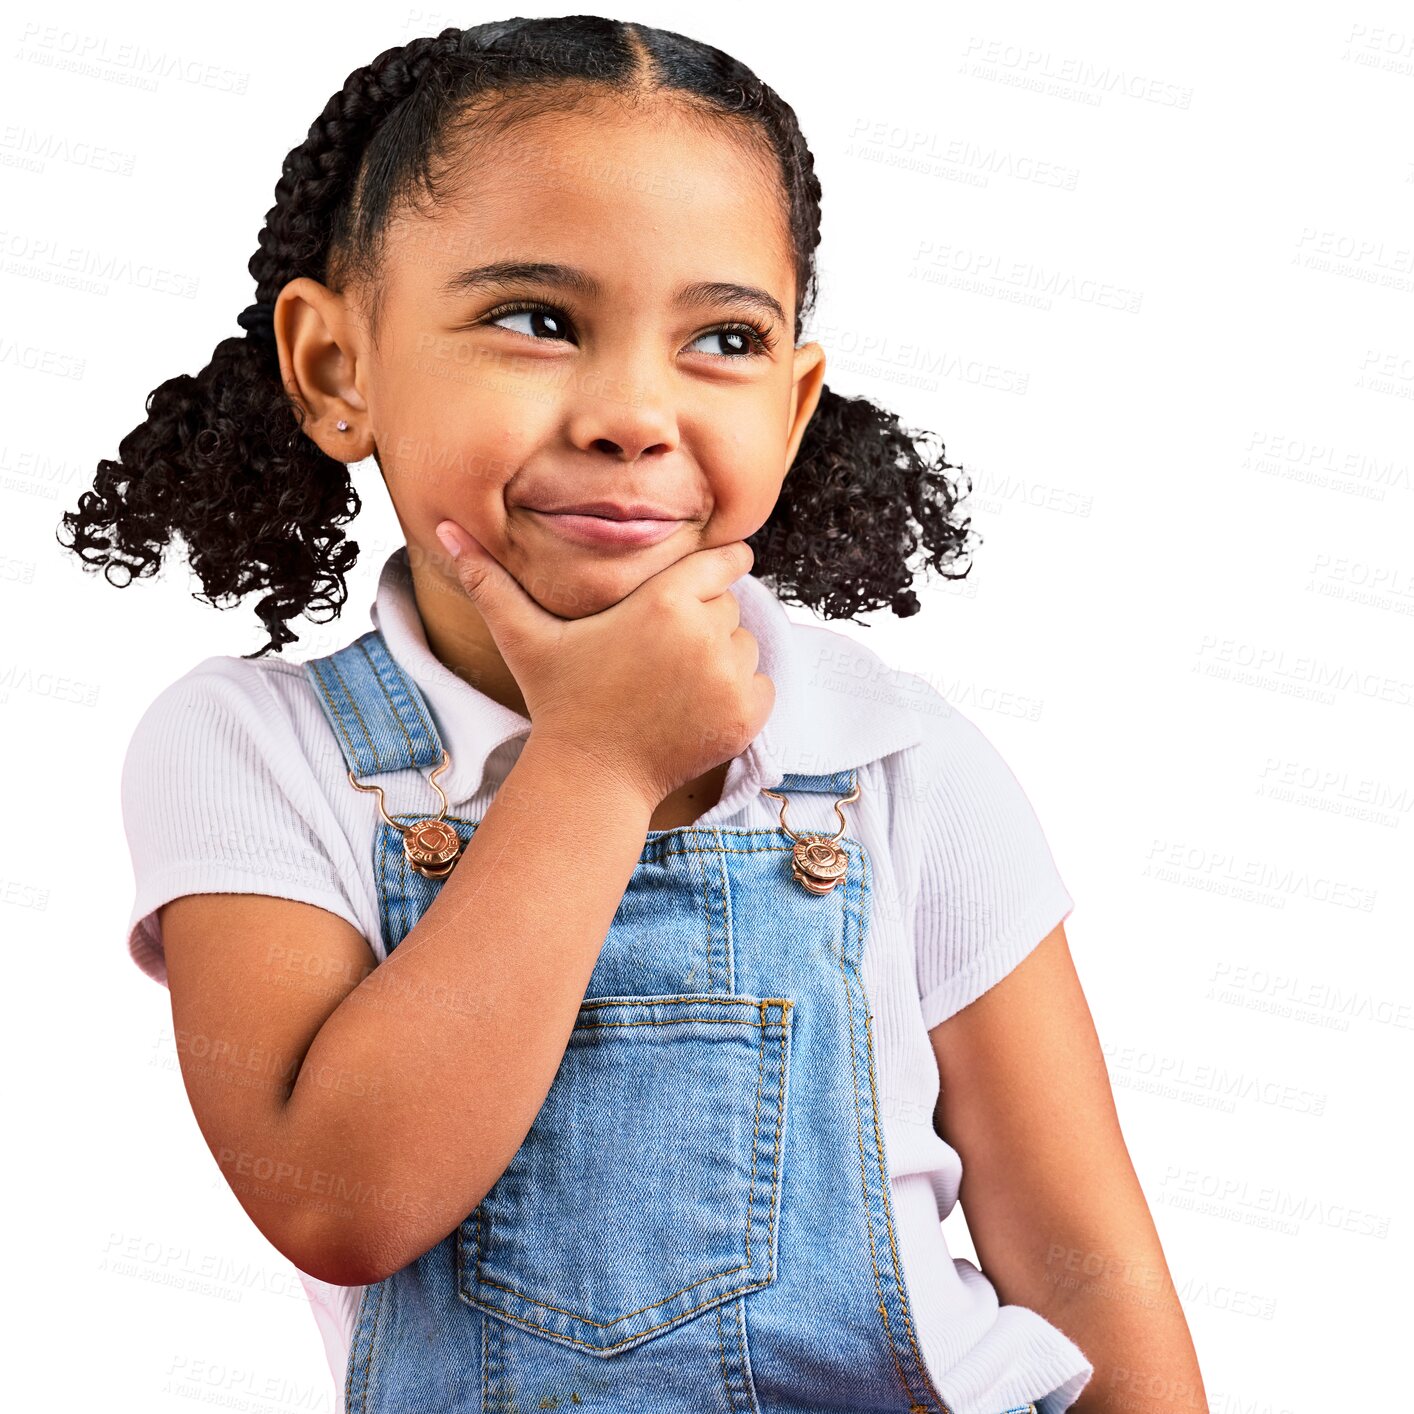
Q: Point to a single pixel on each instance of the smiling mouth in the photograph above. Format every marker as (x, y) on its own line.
(582, 528)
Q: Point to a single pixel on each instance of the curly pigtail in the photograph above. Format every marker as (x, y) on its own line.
(222, 459)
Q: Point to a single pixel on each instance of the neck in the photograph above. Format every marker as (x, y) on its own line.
(460, 640)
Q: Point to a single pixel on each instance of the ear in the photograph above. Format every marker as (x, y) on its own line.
(321, 356)
(805, 394)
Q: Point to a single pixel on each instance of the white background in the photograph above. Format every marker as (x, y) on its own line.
(1150, 274)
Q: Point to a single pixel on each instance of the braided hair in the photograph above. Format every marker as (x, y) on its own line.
(221, 461)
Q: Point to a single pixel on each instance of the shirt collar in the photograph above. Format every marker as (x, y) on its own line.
(837, 704)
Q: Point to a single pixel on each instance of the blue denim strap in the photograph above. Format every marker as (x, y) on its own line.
(382, 723)
(378, 715)
(831, 783)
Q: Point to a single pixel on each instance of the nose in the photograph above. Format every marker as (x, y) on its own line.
(624, 410)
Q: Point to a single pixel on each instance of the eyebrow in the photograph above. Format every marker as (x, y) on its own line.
(697, 295)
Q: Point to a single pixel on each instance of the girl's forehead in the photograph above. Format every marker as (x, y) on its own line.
(657, 158)
(621, 200)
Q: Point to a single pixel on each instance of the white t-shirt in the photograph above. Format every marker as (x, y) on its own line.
(233, 783)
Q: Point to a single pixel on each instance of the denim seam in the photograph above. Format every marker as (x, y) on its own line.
(669, 1021)
(370, 1324)
(722, 1351)
(701, 880)
(336, 712)
(744, 1356)
(388, 697)
(883, 1170)
(713, 859)
(382, 889)
(855, 917)
(749, 1286)
(353, 707)
(864, 1181)
(711, 950)
(402, 894)
(396, 678)
(696, 998)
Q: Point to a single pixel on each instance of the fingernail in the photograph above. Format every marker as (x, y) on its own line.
(448, 536)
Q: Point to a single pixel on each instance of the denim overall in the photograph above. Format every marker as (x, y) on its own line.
(699, 1220)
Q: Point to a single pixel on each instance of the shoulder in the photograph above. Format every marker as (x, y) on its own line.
(846, 705)
(222, 709)
(954, 759)
(974, 859)
(959, 813)
(222, 692)
(226, 788)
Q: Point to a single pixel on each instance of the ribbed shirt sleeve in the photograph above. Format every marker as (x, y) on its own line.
(216, 798)
(989, 888)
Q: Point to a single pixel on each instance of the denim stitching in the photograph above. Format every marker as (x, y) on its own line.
(382, 847)
(402, 893)
(728, 1271)
(864, 1184)
(671, 1021)
(707, 914)
(711, 948)
(750, 1286)
(744, 1360)
(697, 998)
(412, 697)
(397, 716)
(722, 1354)
(883, 1173)
(756, 1128)
(369, 1340)
(373, 1342)
(353, 707)
(728, 914)
(336, 712)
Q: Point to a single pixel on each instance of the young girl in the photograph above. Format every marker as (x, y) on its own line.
(632, 1061)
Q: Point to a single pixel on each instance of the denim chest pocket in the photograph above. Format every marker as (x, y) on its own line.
(649, 1187)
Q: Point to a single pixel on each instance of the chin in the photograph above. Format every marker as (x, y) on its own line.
(576, 591)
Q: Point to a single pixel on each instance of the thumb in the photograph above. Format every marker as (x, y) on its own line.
(510, 613)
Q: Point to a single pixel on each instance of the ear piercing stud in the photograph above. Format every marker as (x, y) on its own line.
(342, 425)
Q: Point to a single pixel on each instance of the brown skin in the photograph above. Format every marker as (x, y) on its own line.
(1052, 1201)
(476, 422)
(471, 423)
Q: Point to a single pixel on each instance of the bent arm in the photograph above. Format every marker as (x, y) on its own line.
(397, 1094)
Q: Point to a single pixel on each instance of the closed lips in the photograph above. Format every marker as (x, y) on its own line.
(606, 511)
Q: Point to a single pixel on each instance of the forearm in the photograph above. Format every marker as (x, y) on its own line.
(465, 1024)
(1120, 1307)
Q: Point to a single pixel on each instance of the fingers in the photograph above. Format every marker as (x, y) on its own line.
(510, 612)
(708, 573)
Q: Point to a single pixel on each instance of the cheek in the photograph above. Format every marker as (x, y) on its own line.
(743, 498)
(453, 454)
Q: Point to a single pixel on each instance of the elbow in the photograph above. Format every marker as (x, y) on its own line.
(339, 1255)
(342, 1254)
(338, 1269)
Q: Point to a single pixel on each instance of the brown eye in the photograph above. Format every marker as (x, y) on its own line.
(542, 321)
(737, 341)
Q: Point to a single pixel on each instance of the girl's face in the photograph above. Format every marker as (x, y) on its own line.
(648, 358)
